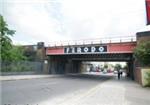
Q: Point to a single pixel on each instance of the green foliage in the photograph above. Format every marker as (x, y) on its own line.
(6, 42)
(142, 53)
(125, 67)
(17, 53)
(105, 66)
(4, 30)
(8, 51)
(118, 66)
(148, 78)
(31, 55)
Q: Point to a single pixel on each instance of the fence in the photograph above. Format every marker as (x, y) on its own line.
(116, 39)
(22, 66)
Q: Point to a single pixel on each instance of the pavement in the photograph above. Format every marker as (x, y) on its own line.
(22, 77)
(35, 76)
(83, 89)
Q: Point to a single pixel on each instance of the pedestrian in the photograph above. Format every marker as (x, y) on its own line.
(121, 73)
(118, 75)
(91, 69)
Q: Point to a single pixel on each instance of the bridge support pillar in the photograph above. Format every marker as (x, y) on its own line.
(141, 37)
(56, 65)
(68, 66)
(72, 66)
(131, 69)
(76, 66)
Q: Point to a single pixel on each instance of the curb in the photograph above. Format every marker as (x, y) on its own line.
(10, 78)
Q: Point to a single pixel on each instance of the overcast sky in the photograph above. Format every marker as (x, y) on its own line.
(58, 20)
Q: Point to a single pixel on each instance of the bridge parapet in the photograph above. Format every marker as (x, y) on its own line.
(118, 39)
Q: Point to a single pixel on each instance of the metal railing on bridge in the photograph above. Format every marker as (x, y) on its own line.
(117, 39)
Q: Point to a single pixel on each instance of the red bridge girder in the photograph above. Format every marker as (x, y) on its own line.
(122, 47)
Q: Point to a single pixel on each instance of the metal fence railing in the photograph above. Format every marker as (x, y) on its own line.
(21, 66)
(94, 41)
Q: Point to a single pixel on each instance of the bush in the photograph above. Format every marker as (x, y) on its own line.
(142, 53)
(148, 79)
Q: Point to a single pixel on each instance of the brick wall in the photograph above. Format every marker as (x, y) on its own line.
(137, 74)
(141, 37)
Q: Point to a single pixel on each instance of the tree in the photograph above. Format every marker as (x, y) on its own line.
(105, 66)
(118, 66)
(9, 52)
(17, 53)
(6, 42)
(142, 53)
(125, 67)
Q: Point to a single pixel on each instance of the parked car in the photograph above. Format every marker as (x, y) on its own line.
(97, 69)
(109, 70)
(94, 69)
(115, 71)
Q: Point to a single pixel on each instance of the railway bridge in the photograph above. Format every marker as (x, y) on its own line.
(68, 57)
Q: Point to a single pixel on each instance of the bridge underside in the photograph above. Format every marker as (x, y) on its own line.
(71, 63)
(98, 57)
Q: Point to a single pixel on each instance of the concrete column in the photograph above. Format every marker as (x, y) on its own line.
(52, 65)
(131, 70)
(72, 66)
(45, 67)
(76, 66)
(61, 66)
(56, 65)
(68, 66)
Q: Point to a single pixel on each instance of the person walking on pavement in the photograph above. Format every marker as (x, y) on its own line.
(118, 74)
(121, 73)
